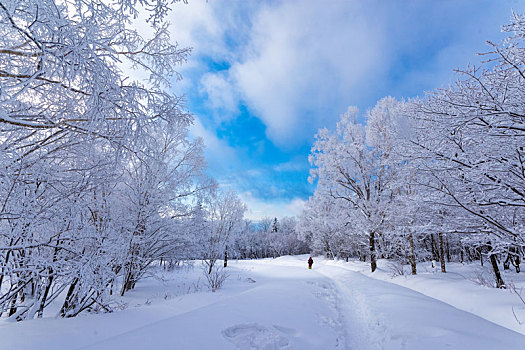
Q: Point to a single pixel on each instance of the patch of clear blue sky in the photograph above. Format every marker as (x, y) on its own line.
(421, 63)
(261, 167)
(271, 165)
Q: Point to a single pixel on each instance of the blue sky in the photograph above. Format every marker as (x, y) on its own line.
(264, 76)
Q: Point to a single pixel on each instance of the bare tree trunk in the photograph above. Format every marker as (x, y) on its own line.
(13, 308)
(212, 262)
(495, 268)
(497, 274)
(434, 249)
(480, 251)
(448, 248)
(5, 263)
(506, 263)
(68, 303)
(412, 257)
(514, 258)
(40, 311)
(426, 243)
(129, 283)
(441, 253)
(373, 264)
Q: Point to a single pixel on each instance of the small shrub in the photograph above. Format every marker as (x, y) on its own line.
(483, 278)
(396, 268)
(216, 278)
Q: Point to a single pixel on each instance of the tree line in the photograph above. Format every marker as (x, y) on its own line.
(439, 177)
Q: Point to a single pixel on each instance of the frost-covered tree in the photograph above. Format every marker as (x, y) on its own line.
(439, 177)
(156, 193)
(324, 225)
(283, 238)
(224, 217)
(356, 165)
(71, 124)
(474, 138)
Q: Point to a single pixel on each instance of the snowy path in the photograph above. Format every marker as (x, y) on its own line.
(388, 316)
(288, 307)
(275, 304)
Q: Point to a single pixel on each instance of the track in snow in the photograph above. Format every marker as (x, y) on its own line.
(275, 305)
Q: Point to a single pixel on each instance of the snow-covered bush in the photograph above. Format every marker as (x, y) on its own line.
(216, 277)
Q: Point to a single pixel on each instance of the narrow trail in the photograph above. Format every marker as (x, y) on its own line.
(382, 315)
(364, 329)
(329, 293)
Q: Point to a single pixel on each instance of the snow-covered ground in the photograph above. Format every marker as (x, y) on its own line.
(464, 286)
(280, 304)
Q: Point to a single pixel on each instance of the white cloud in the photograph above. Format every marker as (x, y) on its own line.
(286, 59)
(297, 65)
(296, 206)
(300, 58)
(222, 98)
(258, 209)
(219, 155)
(197, 25)
(299, 163)
(292, 62)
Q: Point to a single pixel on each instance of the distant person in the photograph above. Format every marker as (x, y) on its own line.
(310, 263)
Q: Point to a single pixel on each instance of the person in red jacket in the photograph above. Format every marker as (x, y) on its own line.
(310, 263)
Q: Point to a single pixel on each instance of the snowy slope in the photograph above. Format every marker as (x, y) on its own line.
(273, 304)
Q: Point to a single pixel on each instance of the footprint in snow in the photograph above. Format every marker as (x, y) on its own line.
(253, 336)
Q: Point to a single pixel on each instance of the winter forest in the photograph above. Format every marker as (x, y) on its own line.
(99, 177)
(102, 185)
